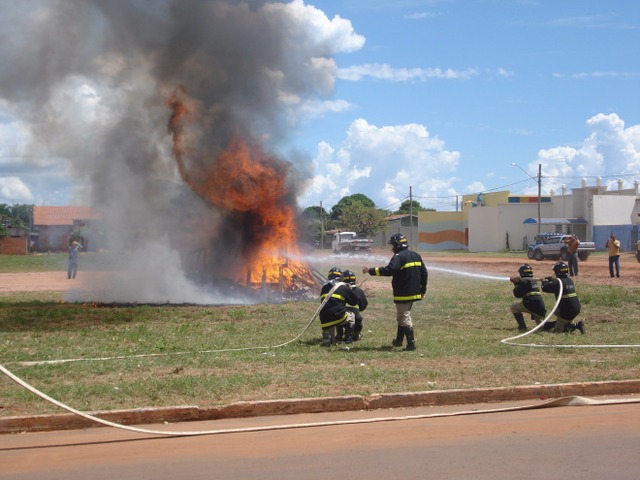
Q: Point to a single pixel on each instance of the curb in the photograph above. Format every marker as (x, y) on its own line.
(69, 421)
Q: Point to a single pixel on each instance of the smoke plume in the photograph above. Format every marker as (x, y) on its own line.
(152, 105)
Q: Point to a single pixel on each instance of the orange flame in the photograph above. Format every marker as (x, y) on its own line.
(243, 178)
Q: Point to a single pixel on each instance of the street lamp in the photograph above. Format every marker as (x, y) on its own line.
(539, 180)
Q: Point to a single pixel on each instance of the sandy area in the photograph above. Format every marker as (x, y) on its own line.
(594, 270)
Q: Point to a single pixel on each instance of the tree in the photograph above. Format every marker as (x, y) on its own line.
(406, 207)
(16, 216)
(336, 210)
(313, 221)
(363, 219)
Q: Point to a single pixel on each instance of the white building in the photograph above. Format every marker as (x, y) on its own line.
(503, 222)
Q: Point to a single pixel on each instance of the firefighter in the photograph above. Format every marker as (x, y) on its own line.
(409, 285)
(569, 306)
(334, 312)
(527, 289)
(349, 278)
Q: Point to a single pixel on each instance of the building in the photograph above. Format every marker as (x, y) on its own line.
(52, 227)
(498, 221)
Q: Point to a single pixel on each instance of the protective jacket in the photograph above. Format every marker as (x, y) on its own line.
(569, 306)
(528, 290)
(360, 305)
(409, 274)
(334, 311)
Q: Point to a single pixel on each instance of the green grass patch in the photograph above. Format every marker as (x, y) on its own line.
(459, 327)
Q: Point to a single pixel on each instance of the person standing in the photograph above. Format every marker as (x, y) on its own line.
(409, 285)
(334, 311)
(569, 306)
(572, 243)
(613, 244)
(74, 250)
(527, 289)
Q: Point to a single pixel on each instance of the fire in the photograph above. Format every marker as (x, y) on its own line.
(251, 187)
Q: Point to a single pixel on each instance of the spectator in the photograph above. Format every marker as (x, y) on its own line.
(74, 250)
(572, 243)
(613, 244)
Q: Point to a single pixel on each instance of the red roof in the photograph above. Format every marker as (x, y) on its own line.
(61, 215)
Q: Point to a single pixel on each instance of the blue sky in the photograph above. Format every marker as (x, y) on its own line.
(437, 96)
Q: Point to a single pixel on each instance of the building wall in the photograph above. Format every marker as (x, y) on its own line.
(613, 209)
(442, 231)
(490, 228)
(13, 246)
(494, 222)
(54, 238)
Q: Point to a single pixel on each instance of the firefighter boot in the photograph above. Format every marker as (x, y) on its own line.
(522, 326)
(357, 332)
(327, 337)
(411, 343)
(348, 335)
(397, 342)
(572, 327)
(340, 333)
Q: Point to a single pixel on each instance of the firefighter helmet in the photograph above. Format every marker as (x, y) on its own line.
(349, 277)
(560, 269)
(398, 241)
(335, 272)
(525, 270)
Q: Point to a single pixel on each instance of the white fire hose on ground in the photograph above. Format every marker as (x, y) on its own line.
(565, 401)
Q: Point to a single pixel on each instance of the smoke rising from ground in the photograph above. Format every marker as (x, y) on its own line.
(90, 80)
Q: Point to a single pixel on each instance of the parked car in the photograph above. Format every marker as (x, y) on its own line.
(552, 246)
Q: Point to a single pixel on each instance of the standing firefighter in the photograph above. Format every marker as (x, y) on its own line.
(409, 285)
(569, 306)
(350, 278)
(526, 288)
(334, 312)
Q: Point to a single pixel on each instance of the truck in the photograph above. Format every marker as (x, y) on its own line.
(349, 242)
(551, 245)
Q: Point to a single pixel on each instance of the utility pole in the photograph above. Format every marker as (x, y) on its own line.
(321, 227)
(539, 180)
(411, 217)
(539, 194)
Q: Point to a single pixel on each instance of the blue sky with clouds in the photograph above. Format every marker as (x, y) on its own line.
(437, 96)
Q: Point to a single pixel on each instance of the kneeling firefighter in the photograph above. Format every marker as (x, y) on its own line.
(334, 312)
(527, 289)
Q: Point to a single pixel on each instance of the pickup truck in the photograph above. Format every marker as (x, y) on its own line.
(551, 245)
(349, 242)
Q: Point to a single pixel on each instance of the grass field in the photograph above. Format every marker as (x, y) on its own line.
(459, 327)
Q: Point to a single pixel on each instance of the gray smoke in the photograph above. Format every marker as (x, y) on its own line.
(90, 80)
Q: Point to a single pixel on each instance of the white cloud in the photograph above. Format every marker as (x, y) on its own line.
(610, 150)
(383, 71)
(419, 15)
(308, 22)
(13, 190)
(381, 162)
(317, 107)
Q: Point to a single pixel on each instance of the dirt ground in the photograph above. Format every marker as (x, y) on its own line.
(594, 270)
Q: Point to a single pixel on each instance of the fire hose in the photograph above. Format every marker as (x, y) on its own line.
(565, 401)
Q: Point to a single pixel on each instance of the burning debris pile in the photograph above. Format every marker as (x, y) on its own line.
(252, 190)
(203, 210)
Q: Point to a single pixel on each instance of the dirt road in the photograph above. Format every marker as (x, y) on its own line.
(585, 443)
